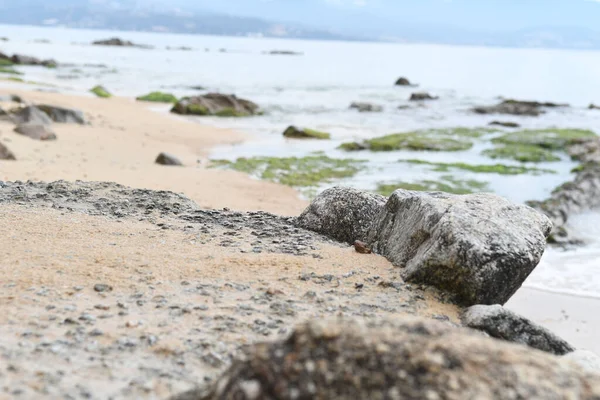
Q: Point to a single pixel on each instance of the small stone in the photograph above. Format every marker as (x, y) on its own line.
(361, 247)
(101, 288)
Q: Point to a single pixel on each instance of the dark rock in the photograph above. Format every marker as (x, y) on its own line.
(5, 153)
(115, 42)
(28, 60)
(403, 82)
(167, 159)
(63, 115)
(215, 104)
(30, 115)
(517, 107)
(408, 358)
(293, 132)
(366, 107)
(505, 124)
(478, 247)
(102, 287)
(504, 324)
(36, 131)
(361, 247)
(343, 214)
(593, 107)
(422, 96)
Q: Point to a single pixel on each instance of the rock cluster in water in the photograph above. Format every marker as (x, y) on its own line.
(221, 105)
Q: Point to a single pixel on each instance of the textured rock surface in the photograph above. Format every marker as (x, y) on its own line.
(366, 107)
(30, 115)
(5, 153)
(404, 359)
(215, 104)
(478, 247)
(36, 131)
(63, 115)
(343, 214)
(167, 159)
(504, 324)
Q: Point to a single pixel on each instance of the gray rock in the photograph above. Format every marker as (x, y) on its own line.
(366, 107)
(343, 214)
(5, 153)
(402, 81)
(586, 359)
(36, 131)
(215, 104)
(167, 159)
(63, 115)
(30, 115)
(422, 96)
(478, 247)
(518, 107)
(504, 324)
(404, 359)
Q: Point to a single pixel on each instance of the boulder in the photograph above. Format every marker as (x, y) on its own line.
(28, 60)
(422, 96)
(215, 104)
(586, 359)
(366, 107)
(593, 107)
(506, 124)
(407, 358)
(304, 133)
(36, 131)
(402, 81)
(167, 159)
(343, 214)
(63, 115)
(518, 107)
(30, 115)
(114, 42)
(5, 153)
(478, 247)
(504, 324)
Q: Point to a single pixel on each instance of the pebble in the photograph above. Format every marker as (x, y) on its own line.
(102, 287)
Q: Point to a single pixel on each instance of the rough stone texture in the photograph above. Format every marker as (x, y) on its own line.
(167, 159)
(586, 359)
(479, 247)
(504, 324)
(30, 115)
(5, 153)
(343, 214)
(422, 96)
(366, 107)
(518, 107)
(36, 131)
(63, 115)
(403, 359)
(213, 104)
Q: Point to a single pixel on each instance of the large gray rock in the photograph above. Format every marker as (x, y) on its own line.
(225, 105)
(30, 115)
(478, 247)
(36, 131)
(63, 115)
(5, 153)
(346, 359)
(504, 324)
(343, 214)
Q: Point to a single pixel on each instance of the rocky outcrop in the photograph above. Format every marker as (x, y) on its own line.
(28, 60)
(167, 159)
(402, 81)
(5, 153)
(404, 359)
(422, 96)
(518, 107)
(30, 115)
(63, 115)
(293, 132)
(593, 107)
(118, 43)
(343, 214)
(366, 107)
(222, 105)
(504, 324)
(506, 124)
(36, 131)
(478, 247)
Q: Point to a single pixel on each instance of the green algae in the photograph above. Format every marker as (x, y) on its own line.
(158, 97)
(101, 92)
(231, 112)
(294, 133)
(307, 171)
(522, 153)
(448, 184)
(4, 70)
(551, 139)
(6, 63)
(500, 169)
(196, 109)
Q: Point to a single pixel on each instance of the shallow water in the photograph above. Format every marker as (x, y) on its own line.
(315, 89)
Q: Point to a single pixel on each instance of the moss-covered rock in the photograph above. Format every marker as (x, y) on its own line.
(293, 132)
(101, 92)
(448, 184)
(522, 153)
(500, 169)
(307, 171)
(158, 97)
(552, 139)
(5, 62)
(217, 104)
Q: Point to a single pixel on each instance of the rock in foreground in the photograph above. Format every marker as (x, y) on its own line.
(5, 153)
(167, 159)
(504, 324)
(402, 81)
(478, 247)
(36, 131)
(422, 96)
(221, 105)
(63, 115)
(366, 107)
(30, 115)
(118, 43)
(343, 214)
(405, 359)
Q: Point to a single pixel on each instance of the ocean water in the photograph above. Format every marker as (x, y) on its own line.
(316, 88)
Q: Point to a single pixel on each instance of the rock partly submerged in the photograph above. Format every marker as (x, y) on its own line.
(518, 107)
(504, 324)
(63, 115)
(366, 107)
(422, 96)
(407, 358)
(293, 132)
(221, 105)
(402, 81)
(505, 124)
(118, 42)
